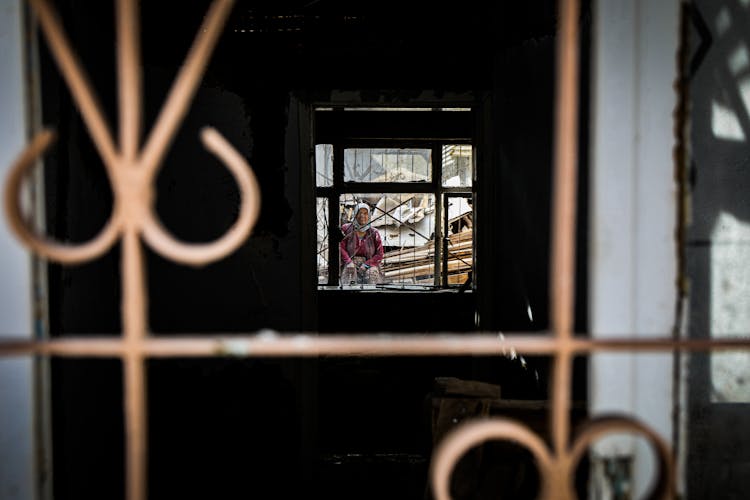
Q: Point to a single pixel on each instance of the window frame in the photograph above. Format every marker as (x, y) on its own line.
(332, 193)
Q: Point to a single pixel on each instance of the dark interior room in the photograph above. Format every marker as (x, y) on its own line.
(285, 78)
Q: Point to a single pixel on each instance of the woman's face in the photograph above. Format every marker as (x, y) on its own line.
(363, 216)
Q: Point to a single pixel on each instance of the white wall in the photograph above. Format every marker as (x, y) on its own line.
(633, 198)
(16, 374)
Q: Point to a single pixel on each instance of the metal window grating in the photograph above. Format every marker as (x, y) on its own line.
(132, 170)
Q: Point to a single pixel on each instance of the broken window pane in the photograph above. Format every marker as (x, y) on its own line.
(459, 244)
(387, 165)
(324, 165)
(457, 165)
(322, 252)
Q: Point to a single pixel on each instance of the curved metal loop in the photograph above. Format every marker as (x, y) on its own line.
(473, 432)
(185, 85)
(53, 250)
(197, 254)
(663, 481)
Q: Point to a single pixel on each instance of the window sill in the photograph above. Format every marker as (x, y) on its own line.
(389, 289)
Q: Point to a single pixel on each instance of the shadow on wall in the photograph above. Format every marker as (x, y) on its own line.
(718, 246)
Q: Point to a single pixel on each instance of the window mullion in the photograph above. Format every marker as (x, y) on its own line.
(437, 182)
(334, 235)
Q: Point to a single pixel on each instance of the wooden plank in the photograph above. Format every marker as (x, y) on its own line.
(418, 262)
(458, 279)
(415, 271)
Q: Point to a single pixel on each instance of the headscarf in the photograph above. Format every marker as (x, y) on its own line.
(355, 223)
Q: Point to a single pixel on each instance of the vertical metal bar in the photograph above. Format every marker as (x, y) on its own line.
(40, 319)
(134, 308)
(129, 74)
(563, 217)
(134, 326)
(440, 230)
(334, 214)
(444, 240)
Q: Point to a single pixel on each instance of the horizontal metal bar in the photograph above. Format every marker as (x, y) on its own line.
(275, 344)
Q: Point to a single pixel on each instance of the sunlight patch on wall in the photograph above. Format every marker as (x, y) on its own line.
(724, 123)
(730, 308)
(723, 21)
(744, 87)
(738, 59)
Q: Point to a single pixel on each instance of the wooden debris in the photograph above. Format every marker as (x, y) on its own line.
(418, 264)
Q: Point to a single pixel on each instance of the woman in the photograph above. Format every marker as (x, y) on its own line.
(361, 249)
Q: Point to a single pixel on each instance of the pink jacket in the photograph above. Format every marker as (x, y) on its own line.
(370, 246)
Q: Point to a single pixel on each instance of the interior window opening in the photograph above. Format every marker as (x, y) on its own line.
(416, 231)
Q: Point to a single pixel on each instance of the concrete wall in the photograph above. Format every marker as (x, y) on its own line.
(633, 252)
(17, 459)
